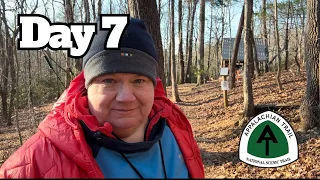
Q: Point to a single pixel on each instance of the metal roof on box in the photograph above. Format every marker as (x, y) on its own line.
(227, 48)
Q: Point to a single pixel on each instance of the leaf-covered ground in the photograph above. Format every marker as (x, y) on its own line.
(213, 127)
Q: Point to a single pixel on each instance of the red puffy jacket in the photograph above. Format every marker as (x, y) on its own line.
(59, 148)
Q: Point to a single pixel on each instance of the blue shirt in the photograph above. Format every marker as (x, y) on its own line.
(148, 163)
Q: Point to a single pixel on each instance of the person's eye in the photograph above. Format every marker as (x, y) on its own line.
(108, 81)
(139, 81)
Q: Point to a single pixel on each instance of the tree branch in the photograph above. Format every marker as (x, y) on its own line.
(274, 57)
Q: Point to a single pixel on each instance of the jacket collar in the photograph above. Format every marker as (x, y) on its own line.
(97, 140)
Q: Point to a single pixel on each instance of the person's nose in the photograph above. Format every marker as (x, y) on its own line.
(125, 94)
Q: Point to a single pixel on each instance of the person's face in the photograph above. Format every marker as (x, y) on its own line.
(122, 99)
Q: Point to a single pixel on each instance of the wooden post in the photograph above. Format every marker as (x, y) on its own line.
(225, 94)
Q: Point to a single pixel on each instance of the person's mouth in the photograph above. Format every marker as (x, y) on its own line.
(124, 109)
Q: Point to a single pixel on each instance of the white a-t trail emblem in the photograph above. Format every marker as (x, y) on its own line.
(268, 141)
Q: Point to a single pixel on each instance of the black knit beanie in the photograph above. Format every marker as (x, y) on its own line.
(136, 55)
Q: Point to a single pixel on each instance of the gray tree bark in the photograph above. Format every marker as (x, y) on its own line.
(68, 10)
(286, 41)
(247, 79)
(180, 51)
(235, 51)
(309, 109)
(189, 63)
(265, 32)
(278, 44)
(99, 6)
(200, 64)
(147, 11)
(174, 86)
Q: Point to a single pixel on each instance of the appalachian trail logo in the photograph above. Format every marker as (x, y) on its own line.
(268, 141)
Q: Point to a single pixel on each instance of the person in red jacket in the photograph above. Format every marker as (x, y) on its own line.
(113, 121)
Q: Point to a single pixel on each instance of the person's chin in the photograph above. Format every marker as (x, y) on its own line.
(126, 123)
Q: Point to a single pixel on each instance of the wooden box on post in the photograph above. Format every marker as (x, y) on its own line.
(224, 84)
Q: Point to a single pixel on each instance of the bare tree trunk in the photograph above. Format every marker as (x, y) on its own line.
(15, 58)
(10, 59)
(218, 44)
(86, 11)
(17, 125)
(189, 63)
(159, 9)
(87, 19)
(180, 53)
(187, 30)
(255, 56)
(200, 64)
(278, 44)
(210, 39)
(15, 54)
(175, 94)
(235, 51)
(168, 41)
(147, 11)
(93, 5)
(81, 14)
(169, 83)
(217, 58)
(99, 6)
(247, 82)
(4, 76)
(301, 54)
(255, 68)
(30, 94)
(296, 49)
(229, 16)
(286, 41)
(309, 109)
(196, 48)
(269, 44)
(69, 19)
(110, 7)
(39, 64)
(222, 34)
(53, 12)
(265, 32)
(13, 89)
(251, 64)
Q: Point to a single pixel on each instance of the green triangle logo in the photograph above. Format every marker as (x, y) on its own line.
(268, 140)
